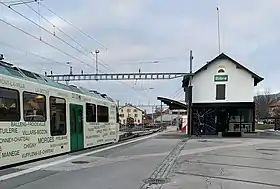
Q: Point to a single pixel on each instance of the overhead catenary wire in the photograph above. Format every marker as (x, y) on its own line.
(55, 48)
(179, 95)
(44, 6)
(41, 16)
(33, 54)
(50, 45)
(103, 63)
(45, 29)
(40, 39)
(52, 34)
(176, 92)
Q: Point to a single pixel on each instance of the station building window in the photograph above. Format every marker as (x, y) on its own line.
(102, 114)
(241, 120)
(90, 112)
(58, 116)
(9, 105)
(221, 71)
(220, 92)
(34, 107)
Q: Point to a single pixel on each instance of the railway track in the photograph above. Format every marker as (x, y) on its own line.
(128, 133)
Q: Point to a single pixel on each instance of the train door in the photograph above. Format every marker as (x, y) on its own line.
(77, 127)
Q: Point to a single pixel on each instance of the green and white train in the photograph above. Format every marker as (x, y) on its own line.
(41, 118)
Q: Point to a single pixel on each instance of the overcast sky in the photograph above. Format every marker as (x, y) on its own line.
(137, 31)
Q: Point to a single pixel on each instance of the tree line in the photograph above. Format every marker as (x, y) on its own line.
(267, 105)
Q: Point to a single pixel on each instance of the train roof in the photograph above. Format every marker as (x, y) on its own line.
(19, 73)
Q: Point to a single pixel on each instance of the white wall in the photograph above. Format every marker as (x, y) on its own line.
(239, 87)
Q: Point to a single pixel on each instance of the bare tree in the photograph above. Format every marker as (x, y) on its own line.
(276, 111)
(157, 112)
(263, 102)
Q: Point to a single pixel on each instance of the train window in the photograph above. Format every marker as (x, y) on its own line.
(9, 105)
(34, 107)
(90, 112)
(28, 74)
(58, 116)
(102, 114)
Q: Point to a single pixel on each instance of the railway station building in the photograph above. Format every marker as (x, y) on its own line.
(221, 96)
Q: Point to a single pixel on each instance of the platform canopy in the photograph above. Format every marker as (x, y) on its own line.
(173, 104)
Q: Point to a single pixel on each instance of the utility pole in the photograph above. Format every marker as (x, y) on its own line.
(218, 28)
(96, 61)
(189, 130)
(161, 114)
(70, 71)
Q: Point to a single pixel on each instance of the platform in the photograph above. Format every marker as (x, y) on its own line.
(252, 162)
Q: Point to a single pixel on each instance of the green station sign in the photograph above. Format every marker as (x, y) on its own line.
(221, 78)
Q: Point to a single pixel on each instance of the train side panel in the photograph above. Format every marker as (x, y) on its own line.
(32, 136)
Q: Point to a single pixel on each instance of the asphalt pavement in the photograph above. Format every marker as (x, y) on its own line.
(211, 163)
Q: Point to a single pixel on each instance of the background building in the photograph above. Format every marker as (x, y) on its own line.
(130, 114)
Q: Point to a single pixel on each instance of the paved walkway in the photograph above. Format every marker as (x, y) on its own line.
(213, 163)
(227, 164)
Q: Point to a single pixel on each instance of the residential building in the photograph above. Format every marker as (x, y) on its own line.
(130, 112)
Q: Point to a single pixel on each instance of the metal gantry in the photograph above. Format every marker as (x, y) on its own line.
(116, 76)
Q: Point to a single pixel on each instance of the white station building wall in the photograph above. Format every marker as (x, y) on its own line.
(239, 85)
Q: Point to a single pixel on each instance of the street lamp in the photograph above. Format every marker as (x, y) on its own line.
(96, 60)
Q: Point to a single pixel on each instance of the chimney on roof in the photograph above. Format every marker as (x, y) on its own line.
(1, 57)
